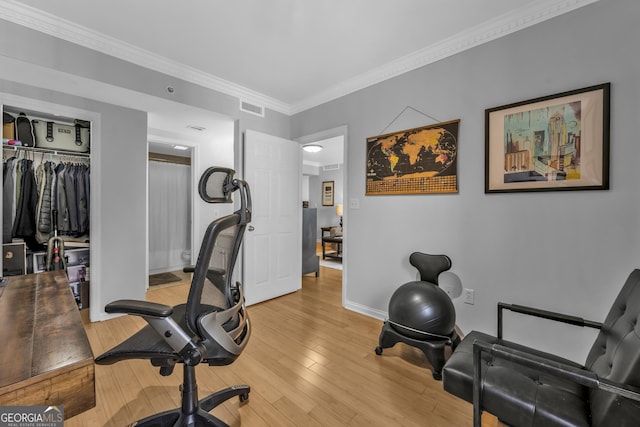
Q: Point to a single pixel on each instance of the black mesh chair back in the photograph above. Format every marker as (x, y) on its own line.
(215, 306)
(212, 326)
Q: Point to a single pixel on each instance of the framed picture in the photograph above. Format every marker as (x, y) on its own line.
(558, 142)
(415, 161)
(327, 193)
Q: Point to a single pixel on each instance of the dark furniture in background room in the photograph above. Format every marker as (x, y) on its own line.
(333, 239)
(526, 387)
(212, 327)
(310, 261)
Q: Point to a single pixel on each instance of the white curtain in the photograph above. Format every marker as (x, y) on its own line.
(169, 216)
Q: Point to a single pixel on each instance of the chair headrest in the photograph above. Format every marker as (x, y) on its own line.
(430, 266)
(216, 186)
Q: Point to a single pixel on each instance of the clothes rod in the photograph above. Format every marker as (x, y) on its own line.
(47, 151)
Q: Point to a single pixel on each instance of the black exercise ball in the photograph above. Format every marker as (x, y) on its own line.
(421, 307)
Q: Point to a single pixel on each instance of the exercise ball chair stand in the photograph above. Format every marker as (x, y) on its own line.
(432, 345)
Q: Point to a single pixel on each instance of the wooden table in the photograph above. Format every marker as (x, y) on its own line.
(45, 356)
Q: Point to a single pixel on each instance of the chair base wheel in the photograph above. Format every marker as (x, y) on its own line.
(201, 417)
(378, 350)
(175, 418)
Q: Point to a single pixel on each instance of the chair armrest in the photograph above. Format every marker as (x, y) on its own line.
(559, 317)
(552, 367)
(158, 316)
(140, 308)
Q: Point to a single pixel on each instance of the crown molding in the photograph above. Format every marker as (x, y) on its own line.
(55, 26)
(503, 25)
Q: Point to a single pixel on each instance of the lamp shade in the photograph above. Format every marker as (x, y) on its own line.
(339, 210)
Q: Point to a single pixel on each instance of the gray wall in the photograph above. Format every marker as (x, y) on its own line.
(576, 247)
(121, 256)
(565, 251)
(326, 214)
(118, 261)
(37, 48)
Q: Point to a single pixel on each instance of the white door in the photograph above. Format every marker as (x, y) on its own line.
(273, 248)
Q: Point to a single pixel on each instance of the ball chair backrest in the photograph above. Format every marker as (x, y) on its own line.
(429, 266)
(615, 356)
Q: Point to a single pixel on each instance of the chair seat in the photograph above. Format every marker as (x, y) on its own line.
(146, 344)
(515, 394)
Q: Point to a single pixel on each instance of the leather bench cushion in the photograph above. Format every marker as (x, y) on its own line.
(517, 395)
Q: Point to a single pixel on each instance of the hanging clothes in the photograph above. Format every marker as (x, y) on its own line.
(31, 193)
(8, 198)
(71, 193)
(25, 223)
(82, 201)
(44, 179)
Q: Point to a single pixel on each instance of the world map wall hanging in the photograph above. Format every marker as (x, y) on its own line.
(415, 161)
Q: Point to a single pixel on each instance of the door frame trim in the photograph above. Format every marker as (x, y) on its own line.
(319, 136)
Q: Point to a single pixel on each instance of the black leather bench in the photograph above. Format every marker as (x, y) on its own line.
(522, 386)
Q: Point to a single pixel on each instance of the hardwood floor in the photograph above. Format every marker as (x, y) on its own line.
(309, 362)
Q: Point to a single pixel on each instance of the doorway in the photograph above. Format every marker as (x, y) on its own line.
(328, 165)
(170, 211)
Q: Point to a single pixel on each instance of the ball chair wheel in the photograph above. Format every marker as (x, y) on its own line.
(437, 376)
(378, 350)
(244, 397)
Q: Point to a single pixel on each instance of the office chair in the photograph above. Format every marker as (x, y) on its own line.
(211, 327)
(421, 314)
(522, 386)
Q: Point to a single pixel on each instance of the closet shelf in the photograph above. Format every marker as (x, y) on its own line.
(46, 151)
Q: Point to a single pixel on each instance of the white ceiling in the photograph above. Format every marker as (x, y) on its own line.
(332, 153)
(288, 55)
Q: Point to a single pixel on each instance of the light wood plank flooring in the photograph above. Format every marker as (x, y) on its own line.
(309, 362)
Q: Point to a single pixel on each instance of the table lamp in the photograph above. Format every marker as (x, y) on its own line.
(339, 213)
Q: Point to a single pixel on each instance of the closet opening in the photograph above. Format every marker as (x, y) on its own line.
(46, 208)
(170, 212)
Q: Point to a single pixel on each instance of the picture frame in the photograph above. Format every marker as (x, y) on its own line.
(553, 143)
(327, 193)
(422, 160)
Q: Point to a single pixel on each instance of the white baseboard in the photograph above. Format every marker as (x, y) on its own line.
(367, 311)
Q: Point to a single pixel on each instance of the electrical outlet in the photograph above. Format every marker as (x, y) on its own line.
(354, 203)
(469, 296)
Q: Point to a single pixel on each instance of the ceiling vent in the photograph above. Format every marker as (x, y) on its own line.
(331, 167)
(247, 107)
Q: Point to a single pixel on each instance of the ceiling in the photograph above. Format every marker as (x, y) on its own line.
(287, 55)
(332, 153)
